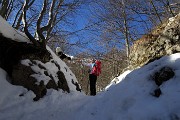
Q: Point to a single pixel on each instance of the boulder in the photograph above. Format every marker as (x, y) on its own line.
(34, 68)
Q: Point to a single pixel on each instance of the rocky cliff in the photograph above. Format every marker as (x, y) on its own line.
(164, 40)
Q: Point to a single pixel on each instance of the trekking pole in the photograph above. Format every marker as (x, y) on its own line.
(87, 91)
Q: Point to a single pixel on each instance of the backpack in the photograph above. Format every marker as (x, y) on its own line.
(97, 68)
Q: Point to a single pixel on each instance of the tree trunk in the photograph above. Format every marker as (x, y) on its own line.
(4, 8)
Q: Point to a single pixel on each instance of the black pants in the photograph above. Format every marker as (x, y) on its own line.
(92, 79)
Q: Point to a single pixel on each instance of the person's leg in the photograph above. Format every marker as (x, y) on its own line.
(94, 90)
(93, 79)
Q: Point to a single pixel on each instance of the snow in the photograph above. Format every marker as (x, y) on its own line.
(67, 72)
(9, 32)
(130, 98)
(127, 97)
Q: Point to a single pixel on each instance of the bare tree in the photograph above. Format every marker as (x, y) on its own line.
(124, 21)
(6, 7)
(51, 15)
(19, 15)
(171, 7)
(156, 11)
(117, 19)
(126, 28)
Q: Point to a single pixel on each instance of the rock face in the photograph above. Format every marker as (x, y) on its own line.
(40, 79)
(33, 68)
(164, 40)
(161, 76)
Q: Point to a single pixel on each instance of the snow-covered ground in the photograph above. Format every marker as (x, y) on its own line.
(129, 99)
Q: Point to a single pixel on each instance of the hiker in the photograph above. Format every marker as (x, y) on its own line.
(94, 71)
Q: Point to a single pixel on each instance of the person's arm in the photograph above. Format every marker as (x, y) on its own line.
(87, 64)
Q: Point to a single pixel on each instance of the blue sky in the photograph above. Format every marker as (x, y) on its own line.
(82, 20)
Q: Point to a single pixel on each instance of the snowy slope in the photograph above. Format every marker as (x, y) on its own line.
(130, 99)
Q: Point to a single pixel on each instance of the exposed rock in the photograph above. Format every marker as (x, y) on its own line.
(62, 83)
(25, 76)
(163, 75)
(11, 52)
(164, 40)
(52, 84)
(33, 74)
(77, 85)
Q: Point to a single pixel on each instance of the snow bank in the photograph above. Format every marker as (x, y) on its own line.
(8, 31)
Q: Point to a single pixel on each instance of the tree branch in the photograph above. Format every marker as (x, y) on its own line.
(25, 8)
